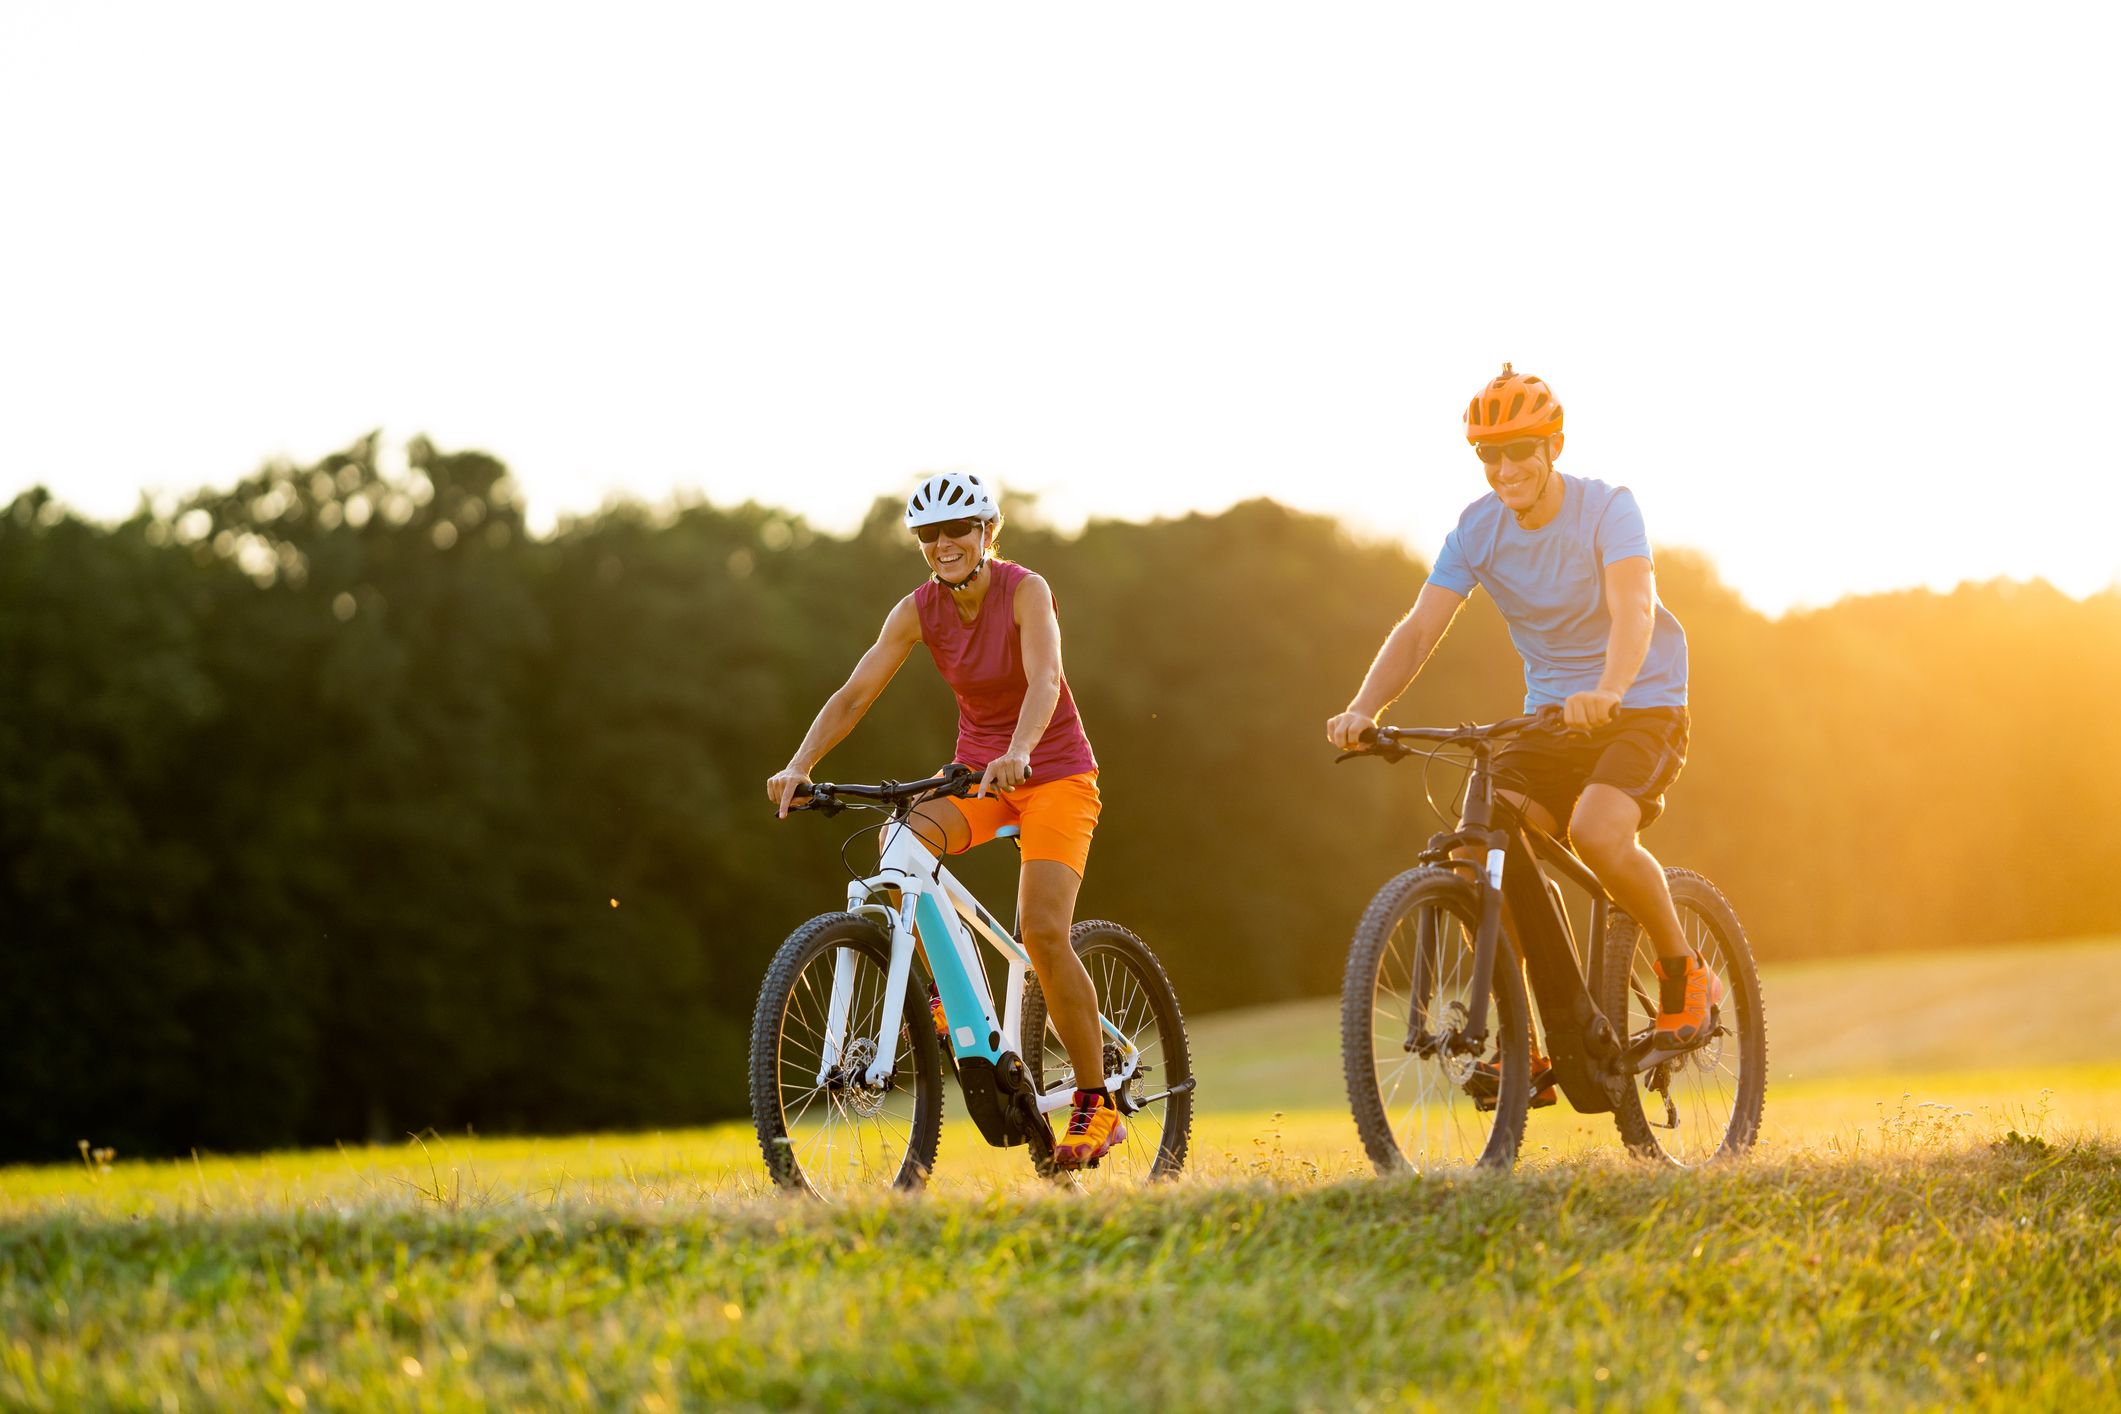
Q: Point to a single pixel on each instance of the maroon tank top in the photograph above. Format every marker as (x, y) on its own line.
(983, 662)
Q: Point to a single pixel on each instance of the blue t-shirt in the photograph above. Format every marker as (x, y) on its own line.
(1550, 585)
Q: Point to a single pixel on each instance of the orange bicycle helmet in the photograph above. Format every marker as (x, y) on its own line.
(1514, 405)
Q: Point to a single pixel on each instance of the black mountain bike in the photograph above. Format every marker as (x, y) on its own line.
(1436, 1032)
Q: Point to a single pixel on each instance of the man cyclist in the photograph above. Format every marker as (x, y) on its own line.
(1567, 561)
(991, 628)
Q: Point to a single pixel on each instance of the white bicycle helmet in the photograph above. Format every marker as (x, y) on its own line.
(950, 495)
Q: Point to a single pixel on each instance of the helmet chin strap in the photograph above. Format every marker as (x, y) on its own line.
(966, 583)
(1541, 494)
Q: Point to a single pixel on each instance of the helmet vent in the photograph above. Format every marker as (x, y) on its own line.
(950, 495)
(1513, 406)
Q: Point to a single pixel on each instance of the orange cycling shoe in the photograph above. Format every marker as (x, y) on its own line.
(1698, 991)
(1485, 1083)
(1094, 1127)
(935, 1009)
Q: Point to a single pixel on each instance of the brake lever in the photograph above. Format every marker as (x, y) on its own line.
(820, 801)
(1394, 755)
(1551, 720)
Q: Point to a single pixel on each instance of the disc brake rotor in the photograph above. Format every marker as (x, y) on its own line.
(861, 1097)
(1449, 1022)
(1709, 1054)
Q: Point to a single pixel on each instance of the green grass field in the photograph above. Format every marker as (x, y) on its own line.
(1890, 1244)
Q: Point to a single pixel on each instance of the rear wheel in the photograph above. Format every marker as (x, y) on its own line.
(1142, 1026)
(1420, 1101)
(1704, 1103)
(823, 1128)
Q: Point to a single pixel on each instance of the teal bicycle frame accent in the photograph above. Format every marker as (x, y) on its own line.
(941, 914)
(953, 981)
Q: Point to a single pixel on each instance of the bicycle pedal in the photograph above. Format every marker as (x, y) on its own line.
(1654, 1051)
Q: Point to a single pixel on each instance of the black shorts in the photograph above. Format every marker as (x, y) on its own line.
(1639, 753)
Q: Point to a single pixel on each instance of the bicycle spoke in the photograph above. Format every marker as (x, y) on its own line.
(1422, 971)
(1703, 1085)
(1132, 1043)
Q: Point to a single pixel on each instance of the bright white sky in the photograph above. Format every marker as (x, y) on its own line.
(1833, 287)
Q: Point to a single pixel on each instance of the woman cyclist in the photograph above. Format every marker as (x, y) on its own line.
(990, 626)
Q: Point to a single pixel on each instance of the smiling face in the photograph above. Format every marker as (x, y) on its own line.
(952, 557)
(1522, 471)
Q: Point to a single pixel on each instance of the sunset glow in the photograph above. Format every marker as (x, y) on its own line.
(1839, 310)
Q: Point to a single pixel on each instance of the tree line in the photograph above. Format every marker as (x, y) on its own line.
(336, 805)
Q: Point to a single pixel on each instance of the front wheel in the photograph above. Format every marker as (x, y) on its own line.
(1703, 1103)
(1423, 1098)
(820, 1021)
(1145, 1037)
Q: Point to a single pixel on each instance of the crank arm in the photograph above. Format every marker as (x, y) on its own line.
(1647, 1053)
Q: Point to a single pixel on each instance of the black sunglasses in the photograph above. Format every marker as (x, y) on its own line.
(1515, 451)
(951, 528)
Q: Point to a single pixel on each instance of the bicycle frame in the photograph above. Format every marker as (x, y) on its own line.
(941, 915)
(1581, 1044)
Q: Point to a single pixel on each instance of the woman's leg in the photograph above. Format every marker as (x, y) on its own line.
(943, 828)
(938, 824)
(1046, 895)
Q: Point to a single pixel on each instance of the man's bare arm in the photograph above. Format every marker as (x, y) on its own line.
(1406, 649)
(1631, 603)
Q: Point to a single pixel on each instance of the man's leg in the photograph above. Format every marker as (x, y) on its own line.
(1604, 830)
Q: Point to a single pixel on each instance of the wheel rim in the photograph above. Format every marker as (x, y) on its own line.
(843, 1135)
(1126, 1002)
(1424, 987)
(1704, 1084)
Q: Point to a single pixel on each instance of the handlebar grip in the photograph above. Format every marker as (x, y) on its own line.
(814, 798)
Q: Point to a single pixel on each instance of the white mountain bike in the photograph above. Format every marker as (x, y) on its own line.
(846, 1062)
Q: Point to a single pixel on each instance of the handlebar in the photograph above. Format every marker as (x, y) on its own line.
(831, 797)
(1386, 741)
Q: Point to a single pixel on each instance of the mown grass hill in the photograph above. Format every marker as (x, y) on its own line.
(1929, 1228)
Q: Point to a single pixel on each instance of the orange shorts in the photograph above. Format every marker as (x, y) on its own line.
(1057, 817)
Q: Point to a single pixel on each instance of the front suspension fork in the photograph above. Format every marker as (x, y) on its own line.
(838, 1009)
(1473, 1040)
